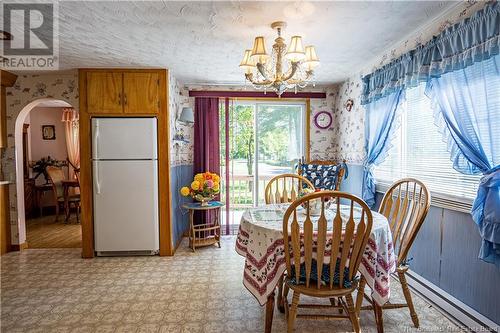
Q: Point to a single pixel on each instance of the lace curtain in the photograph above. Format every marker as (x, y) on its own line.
(70, 119)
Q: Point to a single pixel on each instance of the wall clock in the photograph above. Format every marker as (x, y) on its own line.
(323, 120)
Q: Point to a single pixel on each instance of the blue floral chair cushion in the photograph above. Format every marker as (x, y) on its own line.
(325, 275)
(323, 177)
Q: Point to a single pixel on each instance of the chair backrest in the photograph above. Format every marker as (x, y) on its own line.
(405, 205)
(319, 167)
(285, 188)
(347, 243)
(77, 175)
(56, 176)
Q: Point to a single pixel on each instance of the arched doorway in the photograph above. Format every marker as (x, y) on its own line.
(38, 104)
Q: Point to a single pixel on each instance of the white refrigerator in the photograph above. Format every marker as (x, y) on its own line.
(125, 185)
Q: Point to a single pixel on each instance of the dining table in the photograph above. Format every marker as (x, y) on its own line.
(260, 241)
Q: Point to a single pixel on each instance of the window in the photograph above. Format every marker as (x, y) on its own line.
(419, 151)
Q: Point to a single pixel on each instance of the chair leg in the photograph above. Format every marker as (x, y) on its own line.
(78, 213)
(286, 289)
(353, 315)
(409, 301)
(281, 303)
(293, 311)
(57, 210)
(336, 302)
(361, 294)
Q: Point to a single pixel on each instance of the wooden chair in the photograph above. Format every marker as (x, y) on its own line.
(76, 170)
(285, 188)
(347, 247)
(56, 176)
(405, 205)
(340, 175)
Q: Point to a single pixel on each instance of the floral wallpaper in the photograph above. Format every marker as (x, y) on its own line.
(29, 87)
(344, 139)
(181, 135)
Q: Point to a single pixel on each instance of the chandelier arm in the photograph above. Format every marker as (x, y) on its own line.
(262, 70)
(295, 66)
(249, 77)
(309, 75)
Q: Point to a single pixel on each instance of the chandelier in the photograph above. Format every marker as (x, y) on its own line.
(291, 68)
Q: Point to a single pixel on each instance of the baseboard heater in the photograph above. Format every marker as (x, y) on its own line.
(126, 253)
(458, 311)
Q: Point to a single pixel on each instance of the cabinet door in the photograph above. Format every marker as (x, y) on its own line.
(104, 92)
(141, 93)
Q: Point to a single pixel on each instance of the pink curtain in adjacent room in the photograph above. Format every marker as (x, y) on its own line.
(70, 119)
(206, 135)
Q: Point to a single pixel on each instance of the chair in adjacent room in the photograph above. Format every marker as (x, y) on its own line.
(56, 176)
(285, 188)
(405, 205)
(332, 254)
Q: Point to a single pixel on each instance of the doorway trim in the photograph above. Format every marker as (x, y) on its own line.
(18, 140)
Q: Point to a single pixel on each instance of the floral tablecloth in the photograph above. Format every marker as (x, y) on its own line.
(260, 241)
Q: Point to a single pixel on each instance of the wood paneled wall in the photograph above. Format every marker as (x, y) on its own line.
(131, 106)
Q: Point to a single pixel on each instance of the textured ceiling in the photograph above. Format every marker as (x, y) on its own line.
(203, 42)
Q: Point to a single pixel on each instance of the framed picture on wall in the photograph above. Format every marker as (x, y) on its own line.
(48, 132)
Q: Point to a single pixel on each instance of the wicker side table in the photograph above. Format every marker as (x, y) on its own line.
(204, 234)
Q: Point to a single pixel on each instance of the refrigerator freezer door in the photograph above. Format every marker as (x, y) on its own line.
(126, 206)
(124, 138)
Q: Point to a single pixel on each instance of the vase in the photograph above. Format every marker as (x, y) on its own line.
(203, 200)
(314, 206)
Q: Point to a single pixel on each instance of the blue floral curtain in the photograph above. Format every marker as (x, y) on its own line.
(460, 67)
(381, 122)
(466, 106)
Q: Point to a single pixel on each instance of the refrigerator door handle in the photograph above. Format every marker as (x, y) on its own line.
(96, 138)
(96, 179)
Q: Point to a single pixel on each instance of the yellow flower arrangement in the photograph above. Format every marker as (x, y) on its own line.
(185, 191)
(195, 185)
(203, 188)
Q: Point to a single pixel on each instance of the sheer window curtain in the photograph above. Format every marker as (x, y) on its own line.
(70, 119)
(466, 105)
(382, 119)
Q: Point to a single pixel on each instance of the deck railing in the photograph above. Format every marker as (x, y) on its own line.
(242, 189)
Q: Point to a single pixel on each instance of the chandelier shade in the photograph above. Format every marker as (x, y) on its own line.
(247, 63)
(285, 68)
(259, 53)
(312, 59)
(295, 51)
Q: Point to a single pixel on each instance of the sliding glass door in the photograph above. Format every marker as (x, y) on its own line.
(279, 142)
(259, 140)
